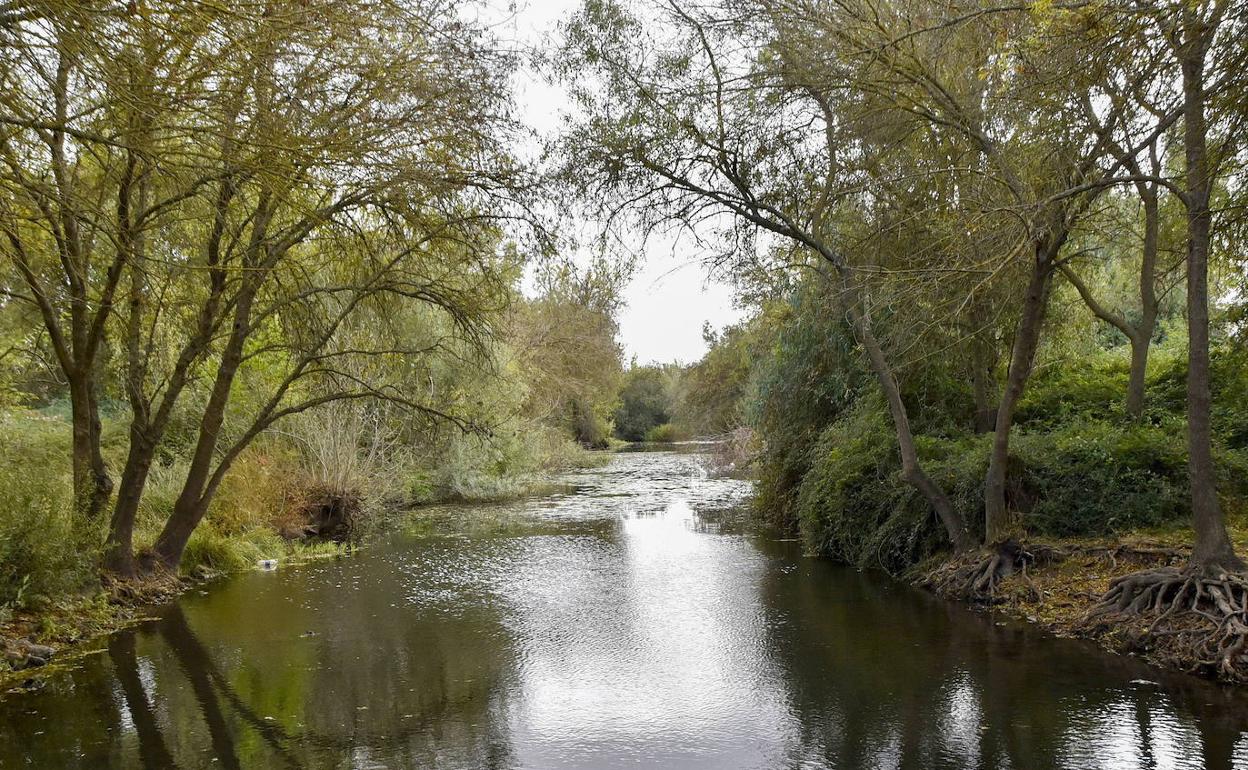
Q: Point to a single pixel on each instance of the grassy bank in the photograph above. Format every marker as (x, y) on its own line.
(51, 593)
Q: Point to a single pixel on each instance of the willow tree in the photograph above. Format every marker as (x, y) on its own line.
(683, 129)
(63, 160)
(356, 164)
(565, 339)
(218, 193)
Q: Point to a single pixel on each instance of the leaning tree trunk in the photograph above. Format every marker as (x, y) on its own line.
(997, 522)
(192, 502)
(1212, 551)
(119, 546)
(911, 471)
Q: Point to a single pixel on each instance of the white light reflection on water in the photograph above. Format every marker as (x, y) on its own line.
(619, 624)
(673, 672)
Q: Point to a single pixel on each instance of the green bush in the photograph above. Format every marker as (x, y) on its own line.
(1097, 478)
(663, 434)
(1094, 389)
(851, 506)
(1090, 477)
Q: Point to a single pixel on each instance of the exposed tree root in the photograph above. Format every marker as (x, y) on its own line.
(1196, 619)
(976, 576)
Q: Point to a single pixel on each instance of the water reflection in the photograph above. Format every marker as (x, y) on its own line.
(626, 627)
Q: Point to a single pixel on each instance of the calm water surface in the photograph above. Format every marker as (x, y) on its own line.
(620, 624)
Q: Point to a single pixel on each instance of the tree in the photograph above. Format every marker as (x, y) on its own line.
(1192, 37)
(565, 339)
(64, 164)
(253, 181)
(329, 206)
(645, 401)
(682, 138)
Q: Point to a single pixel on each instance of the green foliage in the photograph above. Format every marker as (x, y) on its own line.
(850, 506)
(1096, 478)
(564, 342)
(1088, 389)
(809, 375)
(508, 464)
(713, 391)
(1078, 467)
(1228, 382)
(664, 434)
(210, 547)
(646, 401)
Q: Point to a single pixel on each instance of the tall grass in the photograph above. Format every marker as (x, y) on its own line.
(45, 550)
(350, 449)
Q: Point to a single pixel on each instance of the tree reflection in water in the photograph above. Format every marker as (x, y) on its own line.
(624, 624)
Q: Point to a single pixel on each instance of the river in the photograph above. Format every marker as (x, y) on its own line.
(623, 622)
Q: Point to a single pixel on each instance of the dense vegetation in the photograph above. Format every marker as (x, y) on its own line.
(260, 281)
(995, 252)
(262, 271)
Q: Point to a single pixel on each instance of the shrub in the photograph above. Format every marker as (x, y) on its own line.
(1095, 389)
(851, 506)
(210, 547)
(1096, 478)
(663, 434)
(1093, 477)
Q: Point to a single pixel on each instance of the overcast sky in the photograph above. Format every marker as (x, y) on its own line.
(670, 297)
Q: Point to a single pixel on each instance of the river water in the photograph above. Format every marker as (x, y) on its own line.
(622, 623)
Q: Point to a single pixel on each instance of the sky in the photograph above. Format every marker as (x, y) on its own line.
(670, 297)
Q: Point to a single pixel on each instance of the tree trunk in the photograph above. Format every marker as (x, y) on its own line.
(997, 523)
(1140, 343)
(985, 414)
(119, 547)
(192, 502)
(911, 471)
(1142, 338)
(92, 484)
(1212, 550)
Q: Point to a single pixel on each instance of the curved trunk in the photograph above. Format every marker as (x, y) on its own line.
(997, 520)
(911, 471)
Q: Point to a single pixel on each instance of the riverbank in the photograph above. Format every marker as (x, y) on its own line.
(1065, 580)
(35, 642)
(41, 636)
